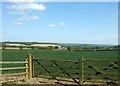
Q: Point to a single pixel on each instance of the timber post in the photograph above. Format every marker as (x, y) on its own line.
(26, 64)
(33, 65)
(30, 66)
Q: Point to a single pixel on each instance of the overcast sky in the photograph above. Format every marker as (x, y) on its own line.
(61, 22)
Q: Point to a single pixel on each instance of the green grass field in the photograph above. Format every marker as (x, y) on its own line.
(21, 55)
(17, 55)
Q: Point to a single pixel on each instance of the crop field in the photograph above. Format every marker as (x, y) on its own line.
(20, 55)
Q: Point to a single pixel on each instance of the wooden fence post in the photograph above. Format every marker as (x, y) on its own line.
(33, 65)
(30, 70)
(26, 64)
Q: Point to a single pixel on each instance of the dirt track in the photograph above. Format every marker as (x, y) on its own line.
(45, 81)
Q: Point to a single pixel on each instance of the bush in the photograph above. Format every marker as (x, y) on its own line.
(21, 47)
(70, 48)
(33, 47)
(50, 47)
(56, 47)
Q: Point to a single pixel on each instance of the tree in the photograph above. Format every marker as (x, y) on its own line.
(3, 46)
(50, 47)
(33, 47)
(70, 48)
(56, 47)
(21, 47)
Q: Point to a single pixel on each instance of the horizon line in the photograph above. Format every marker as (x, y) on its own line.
(62, 42)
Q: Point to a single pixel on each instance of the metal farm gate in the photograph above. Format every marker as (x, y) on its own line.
(83, 71)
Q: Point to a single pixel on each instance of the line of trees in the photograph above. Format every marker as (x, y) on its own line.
(95, 48)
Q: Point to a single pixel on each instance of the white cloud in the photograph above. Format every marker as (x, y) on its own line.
(52, 25)
(38, 6)
(20, 19)
(55, 25)
(62, 24)
(27, 6)
(24, 18)
(25, 10)
(33, 17)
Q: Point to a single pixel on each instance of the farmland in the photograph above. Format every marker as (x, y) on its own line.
(14, 55)
(17, 55)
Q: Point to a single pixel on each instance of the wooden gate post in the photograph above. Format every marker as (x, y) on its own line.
(30, 66)
(33, 65)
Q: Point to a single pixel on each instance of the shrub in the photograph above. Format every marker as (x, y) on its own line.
(21, 47)
(50, 47)
(56, 47)
(70, 48)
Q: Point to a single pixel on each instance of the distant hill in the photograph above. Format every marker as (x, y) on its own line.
(76, 44)
(29, 42)
(63, 44)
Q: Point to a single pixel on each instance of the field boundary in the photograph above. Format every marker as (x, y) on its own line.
(82, 71)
